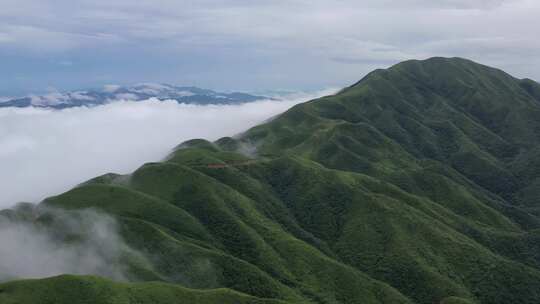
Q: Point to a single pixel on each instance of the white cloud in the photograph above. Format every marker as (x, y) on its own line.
(52, 98)
(111, 88)
(31, 250)
(126, 96)
(45, 152)
(80, 95)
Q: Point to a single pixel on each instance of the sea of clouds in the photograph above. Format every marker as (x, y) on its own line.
(45, 152)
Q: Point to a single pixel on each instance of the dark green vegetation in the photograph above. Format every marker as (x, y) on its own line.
(418, 184)
(92, 290)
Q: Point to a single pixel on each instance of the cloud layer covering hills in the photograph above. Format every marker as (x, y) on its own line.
(48, 151)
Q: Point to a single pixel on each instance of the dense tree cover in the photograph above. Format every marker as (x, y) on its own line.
(418, 184)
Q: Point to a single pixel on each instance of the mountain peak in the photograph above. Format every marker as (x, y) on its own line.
(444, 75)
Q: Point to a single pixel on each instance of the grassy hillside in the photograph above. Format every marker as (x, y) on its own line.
(70, 289)
(418, 184)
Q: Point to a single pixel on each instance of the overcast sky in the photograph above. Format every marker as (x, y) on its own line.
(252, 45)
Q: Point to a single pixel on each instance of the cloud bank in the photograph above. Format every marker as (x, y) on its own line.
(45, 152)
(31, 249)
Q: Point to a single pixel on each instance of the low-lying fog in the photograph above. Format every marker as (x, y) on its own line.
(45, 152)
(33, 250)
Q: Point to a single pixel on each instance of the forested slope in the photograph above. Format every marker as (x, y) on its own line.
(418, 184)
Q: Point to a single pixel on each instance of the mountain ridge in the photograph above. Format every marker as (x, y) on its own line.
(418, 184)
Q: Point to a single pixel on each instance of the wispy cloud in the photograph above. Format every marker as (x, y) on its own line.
(33, 250)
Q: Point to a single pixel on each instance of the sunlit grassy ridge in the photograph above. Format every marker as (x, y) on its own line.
(418, 184)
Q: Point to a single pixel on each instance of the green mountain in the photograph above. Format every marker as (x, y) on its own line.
(418, 184)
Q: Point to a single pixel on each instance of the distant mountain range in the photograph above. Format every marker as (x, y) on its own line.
(110, 93)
